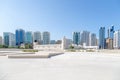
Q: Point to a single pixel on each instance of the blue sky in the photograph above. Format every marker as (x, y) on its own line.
(59, 17)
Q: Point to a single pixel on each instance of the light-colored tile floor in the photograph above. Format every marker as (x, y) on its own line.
(69, 66)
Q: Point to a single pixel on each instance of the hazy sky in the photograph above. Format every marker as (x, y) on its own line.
(59, 17)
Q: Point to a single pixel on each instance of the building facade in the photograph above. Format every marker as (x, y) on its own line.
(28, 37)
(52, 41)
(9, 39)
(85, 38)
(1, 41)
(109, 43)
(46, 37)
(111, 32)
(20, 37)
(92, 39)
(58, 42)
(37, 37)
(109, 40)
(76, 38)
(65, 44)
(116, 40)
(102, 38)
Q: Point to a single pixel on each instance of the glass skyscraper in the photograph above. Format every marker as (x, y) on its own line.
(46, 37)
(6, 38)
(9, 39)
(76, 38)
(92, 39)
(20, 37)
(28, 37)
(116, 39)
(102, 38)
(85, 38)
(111, 32)
(1, 40)
(37, 37)
(52, 41)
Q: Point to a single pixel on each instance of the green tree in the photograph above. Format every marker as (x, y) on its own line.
(5, 46)
(1, 46)
(26, 46)
(71, 47)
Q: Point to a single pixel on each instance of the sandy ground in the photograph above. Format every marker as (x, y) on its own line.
(68, 66)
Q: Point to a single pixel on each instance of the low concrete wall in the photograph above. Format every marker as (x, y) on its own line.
(49, 55)
(54, 54)
(109, 51)
(28, 56)
(10, 49)
(15, 53)
(48, 47)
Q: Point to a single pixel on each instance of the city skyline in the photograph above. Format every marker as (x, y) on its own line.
(63, 16)
(32, 31)
(84, 38)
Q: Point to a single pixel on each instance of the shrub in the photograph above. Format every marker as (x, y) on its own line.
(30, 50)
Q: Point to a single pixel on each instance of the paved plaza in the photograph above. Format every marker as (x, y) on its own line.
(68, 66)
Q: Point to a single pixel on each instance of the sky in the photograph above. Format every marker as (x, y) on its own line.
(59, 17)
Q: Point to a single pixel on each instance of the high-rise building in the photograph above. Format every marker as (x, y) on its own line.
(0, 40)
(85, 38)
(116, 39)
(28, 37)
(92, 39)
(46, 37)
(111, 32)
(6, 38)
(58, 42)
(76, 38)
(109, 43)
(52, 41)
(97, 41)
(37, 37)
(102, 38)
(109, 40)
(9, 39)
(66, 43)
(20, 37)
